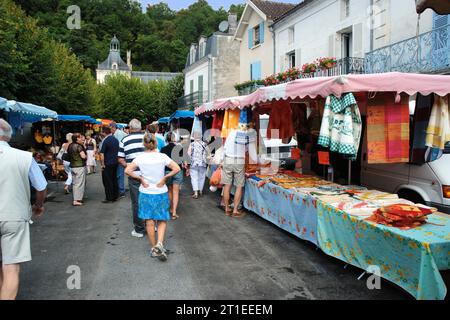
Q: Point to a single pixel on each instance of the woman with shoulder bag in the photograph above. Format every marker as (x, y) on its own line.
(198, 154)
(64, 157)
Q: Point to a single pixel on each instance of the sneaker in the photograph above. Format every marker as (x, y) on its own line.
(161, 251)
(137, 234)
(155, 253)
(122, 196)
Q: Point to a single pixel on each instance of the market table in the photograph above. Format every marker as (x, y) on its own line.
(409, 258)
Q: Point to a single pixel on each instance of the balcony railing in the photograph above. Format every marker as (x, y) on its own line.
(427, 53)
(191, 100)
(249, 89)
(343, 66)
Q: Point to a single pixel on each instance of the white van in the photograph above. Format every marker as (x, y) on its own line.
(428, 183)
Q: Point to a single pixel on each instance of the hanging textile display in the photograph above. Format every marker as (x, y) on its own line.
(230, 121)
(341, 126)
(438, 130)
(197, 127)
(299, 115)
(217, 123)
(387, 130)
(281, 120)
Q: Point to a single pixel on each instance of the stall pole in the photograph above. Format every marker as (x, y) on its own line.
(349, 172)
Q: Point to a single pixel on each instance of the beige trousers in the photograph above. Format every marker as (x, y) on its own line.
(78, 183)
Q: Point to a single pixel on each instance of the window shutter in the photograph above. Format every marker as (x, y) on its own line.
(298, 57)
(250, 37)
(258, 70)
(200, 89)
(331, 44)
(357, 40)
(261, 32)
(440, 21)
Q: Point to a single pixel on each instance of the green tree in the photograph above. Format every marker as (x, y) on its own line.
(37, 69)
(122, 98)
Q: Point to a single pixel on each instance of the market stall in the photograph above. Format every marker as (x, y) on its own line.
(408, 242)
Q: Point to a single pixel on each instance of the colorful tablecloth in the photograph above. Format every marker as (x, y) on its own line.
(409, 258)
(287, 209)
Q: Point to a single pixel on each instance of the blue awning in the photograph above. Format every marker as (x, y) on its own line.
(75, 118)
(164, 120)
(28, 109)
(121, 125)
(182, 114)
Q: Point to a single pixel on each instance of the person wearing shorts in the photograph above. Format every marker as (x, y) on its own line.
(175, 152)
(233, 169)
(18, 170)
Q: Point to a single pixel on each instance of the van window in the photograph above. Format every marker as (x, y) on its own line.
(447, 148)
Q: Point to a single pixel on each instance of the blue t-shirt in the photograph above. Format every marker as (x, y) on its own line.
(161, 142)
(110, 149)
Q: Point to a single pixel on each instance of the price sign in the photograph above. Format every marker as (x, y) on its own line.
(324, 158)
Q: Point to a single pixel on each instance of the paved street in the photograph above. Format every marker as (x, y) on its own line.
(213, 257)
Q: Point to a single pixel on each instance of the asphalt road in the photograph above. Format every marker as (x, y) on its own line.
(213, 256)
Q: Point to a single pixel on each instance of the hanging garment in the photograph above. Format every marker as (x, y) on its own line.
(301, 124)
(281, 120)
(438, 131)
(217, 123)
(388, 130)
(230, 121)
(341, 126)
(197, 128)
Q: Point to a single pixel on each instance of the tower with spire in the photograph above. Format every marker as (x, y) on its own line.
(114, 64)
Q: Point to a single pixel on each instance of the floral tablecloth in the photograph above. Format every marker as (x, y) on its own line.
(409, 258)
(285, 208)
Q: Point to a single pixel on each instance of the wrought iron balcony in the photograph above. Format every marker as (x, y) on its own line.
(191, 100)
(427, 53)
(343, 66)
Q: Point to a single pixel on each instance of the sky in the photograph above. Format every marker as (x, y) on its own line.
(180, 4)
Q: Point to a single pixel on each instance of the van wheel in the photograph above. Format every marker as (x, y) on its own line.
(411, 196)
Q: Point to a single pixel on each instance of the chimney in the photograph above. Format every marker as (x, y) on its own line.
(129, 59)
(232, 21)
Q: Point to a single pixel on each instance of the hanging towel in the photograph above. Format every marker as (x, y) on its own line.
(438, 131)
(217, 123)
(230, 121)
(341, 126)
(388, 130)
(281, 119)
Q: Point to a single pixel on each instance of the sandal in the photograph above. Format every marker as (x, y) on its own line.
(77, 204)
(239, 214)
(175, 217)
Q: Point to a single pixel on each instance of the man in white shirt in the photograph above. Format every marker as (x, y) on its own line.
(236, 146)
(18, 170)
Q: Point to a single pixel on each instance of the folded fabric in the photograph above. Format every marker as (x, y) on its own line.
(401, 216)
(438, 130)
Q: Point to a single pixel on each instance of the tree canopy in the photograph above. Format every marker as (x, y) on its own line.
(159, 38)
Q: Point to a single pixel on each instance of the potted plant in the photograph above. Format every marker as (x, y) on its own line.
(326, 63)
(309, 68)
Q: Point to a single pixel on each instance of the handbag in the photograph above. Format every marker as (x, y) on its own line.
(60, 154)
(216, 177)
(65, 157)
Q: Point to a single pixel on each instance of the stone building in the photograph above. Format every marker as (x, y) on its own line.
(115, 65)
(212, 67)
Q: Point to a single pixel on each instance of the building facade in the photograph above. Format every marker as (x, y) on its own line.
(256, 45)
(365, 36)
(212, 68)
(115, 65)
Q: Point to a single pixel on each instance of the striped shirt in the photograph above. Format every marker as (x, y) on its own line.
(131, 146)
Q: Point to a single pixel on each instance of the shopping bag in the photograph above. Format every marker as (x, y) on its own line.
(216, 177)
